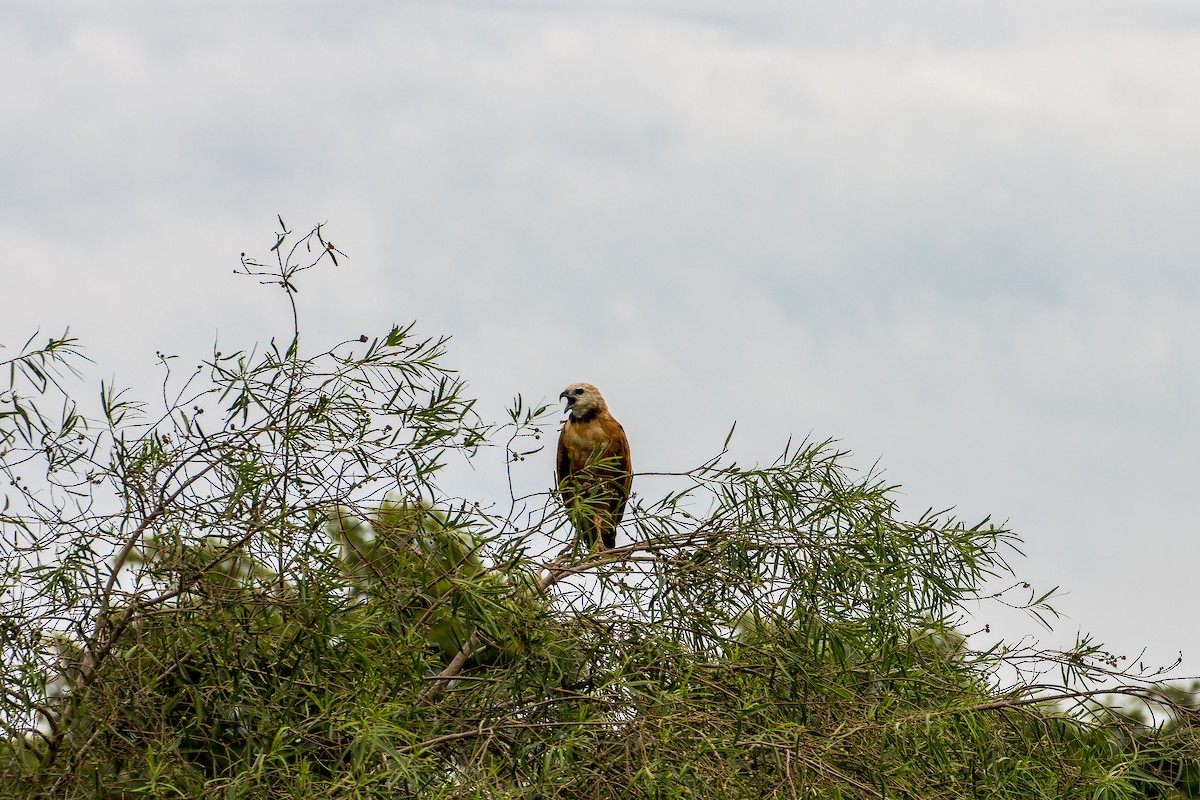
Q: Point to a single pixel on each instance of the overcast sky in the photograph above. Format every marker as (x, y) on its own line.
(958, 236)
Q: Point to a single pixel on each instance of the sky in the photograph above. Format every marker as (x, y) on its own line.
(958, 237)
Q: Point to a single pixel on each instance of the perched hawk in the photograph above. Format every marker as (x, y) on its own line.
(594, 470)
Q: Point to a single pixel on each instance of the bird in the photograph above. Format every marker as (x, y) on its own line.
(595, 474)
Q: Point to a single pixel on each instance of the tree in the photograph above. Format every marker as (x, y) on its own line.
(261, 589)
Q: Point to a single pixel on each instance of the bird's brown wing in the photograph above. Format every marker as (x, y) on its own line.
(622, 466)
(616, 472)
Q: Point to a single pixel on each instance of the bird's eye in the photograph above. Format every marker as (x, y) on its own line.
(579, 391)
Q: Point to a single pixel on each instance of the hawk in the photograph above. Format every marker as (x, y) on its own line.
(594, 470)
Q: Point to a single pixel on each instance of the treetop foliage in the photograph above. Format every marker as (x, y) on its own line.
(261, 587)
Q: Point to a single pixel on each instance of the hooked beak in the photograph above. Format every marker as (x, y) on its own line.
(570, 400)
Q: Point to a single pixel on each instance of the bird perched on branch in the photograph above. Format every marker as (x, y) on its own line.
(594, 471)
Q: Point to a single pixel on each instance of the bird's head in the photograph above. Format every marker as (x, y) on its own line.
(582, 399)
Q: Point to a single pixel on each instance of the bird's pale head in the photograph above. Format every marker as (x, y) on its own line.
(582, 399)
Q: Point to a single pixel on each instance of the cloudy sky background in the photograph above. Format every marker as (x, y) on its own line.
(958, 236)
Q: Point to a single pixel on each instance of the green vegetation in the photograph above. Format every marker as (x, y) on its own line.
(260, 589)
